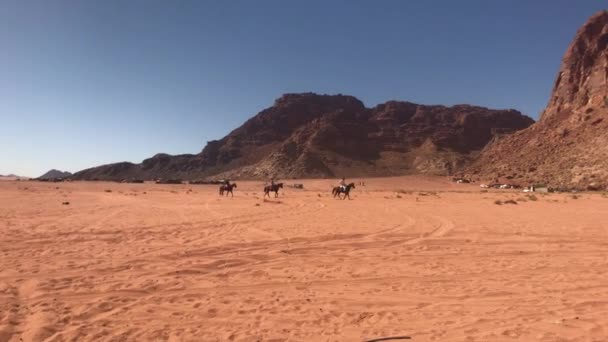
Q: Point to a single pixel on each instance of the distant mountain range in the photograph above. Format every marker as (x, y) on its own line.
(54, 174)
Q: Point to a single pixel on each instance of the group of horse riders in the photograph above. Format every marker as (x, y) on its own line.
(272, 186)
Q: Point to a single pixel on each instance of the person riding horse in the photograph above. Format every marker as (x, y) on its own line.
(272, 186)
(343, 188)
(227, 188)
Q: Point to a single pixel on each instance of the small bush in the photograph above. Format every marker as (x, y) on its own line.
(108, 190)
(575, 197)
(532, 197)
(510, 202)
(498, 202)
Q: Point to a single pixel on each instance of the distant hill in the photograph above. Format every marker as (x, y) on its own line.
(55, 174)
(311, 135)
(12, 177)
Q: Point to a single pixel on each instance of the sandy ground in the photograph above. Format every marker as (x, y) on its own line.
(407, 256)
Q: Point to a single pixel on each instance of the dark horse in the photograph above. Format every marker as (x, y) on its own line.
(275, 188)
(338, 190)
(227, 188)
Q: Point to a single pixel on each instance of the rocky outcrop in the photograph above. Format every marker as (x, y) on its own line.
(310, 135)
(568, 147)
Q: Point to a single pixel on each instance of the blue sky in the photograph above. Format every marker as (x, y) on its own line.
(85, 83)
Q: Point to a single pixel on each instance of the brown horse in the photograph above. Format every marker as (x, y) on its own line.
(275, 188)
(336, 191)
(227, 188)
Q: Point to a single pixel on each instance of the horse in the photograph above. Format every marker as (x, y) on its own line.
(336, 191)
(274, 187)
(227, 188)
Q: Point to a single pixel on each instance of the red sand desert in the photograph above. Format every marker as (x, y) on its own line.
(408, 256)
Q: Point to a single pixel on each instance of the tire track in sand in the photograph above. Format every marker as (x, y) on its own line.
(445, 226)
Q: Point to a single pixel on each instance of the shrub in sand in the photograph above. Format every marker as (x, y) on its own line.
(498, 202)
(532, 197)
(510, 202)
(108, 190)
(575, 196)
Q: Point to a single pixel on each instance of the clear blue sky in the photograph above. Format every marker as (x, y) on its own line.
(84, 83)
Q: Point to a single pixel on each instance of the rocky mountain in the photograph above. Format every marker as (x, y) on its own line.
(54, 174)
(568, 147)
(310, 135)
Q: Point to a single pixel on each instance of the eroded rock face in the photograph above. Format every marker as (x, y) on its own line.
(310, 135)
(568, 147)
(581, 82)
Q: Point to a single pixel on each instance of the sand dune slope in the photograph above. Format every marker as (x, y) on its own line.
(407, 256)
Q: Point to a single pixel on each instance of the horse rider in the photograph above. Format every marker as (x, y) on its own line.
(342, 184)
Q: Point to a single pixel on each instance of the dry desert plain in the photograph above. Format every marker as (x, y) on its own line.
(407, 256)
